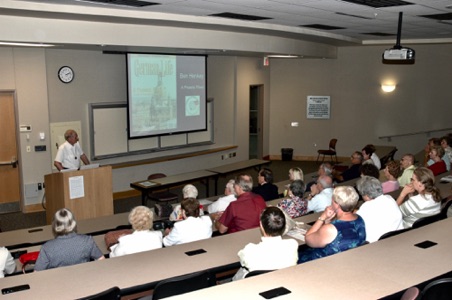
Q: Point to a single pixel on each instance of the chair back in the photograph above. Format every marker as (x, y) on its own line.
(426, 220)
(156, 176)
(333, 144)
(410, 294)
(444, 210)
(183, 284)
(393, 233)
(440, 289)
(110, 294)
(257, 272)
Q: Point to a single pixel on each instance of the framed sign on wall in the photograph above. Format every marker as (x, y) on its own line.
(318, 107)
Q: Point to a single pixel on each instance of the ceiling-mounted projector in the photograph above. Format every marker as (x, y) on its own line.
(399, 54)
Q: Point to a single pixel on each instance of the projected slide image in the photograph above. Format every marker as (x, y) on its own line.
(192, 106)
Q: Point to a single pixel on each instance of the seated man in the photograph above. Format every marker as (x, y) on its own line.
(321, 193)
(380, 212)
(324, 169)
(407, 166)
(353, 171)
(265, 186)
(223, 202)
(191, 228)
(273, 252)
(243, 213)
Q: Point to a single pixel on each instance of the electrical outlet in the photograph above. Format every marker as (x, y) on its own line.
(39, 186)
(28, 148)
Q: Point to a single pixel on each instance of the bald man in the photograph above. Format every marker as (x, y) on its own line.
(70, 153)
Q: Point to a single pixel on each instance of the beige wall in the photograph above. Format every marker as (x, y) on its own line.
(360, 111)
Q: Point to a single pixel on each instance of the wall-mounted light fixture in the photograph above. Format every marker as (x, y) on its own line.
(388, 88)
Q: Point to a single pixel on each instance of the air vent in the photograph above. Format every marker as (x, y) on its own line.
(322, 27)
(132, 3)
(378, 33)
(379, 3)
(354, 16)
(441, 17)
(239, 16)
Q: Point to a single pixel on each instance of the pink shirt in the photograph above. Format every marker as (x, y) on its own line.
(389, 186)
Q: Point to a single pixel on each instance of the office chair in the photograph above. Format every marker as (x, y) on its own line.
(426, 220)
(257, 272)
(444, 210)
(110, 294)
(393, 233)
(331, 151)
(183, 284)
(440, 289)
(387, 158)
(162, 196)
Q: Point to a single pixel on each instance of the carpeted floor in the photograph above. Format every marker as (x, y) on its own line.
(19, 220)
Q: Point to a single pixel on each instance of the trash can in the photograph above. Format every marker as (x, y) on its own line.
(286, 154)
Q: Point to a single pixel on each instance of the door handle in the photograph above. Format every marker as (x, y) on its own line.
(13, 163)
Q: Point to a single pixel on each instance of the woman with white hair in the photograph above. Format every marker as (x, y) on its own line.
(189, 191)
(68, 248)
(143, 237)
(337, 229)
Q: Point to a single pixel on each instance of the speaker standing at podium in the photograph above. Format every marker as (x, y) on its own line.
(70, 153)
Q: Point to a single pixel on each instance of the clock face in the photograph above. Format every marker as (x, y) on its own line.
(66, 74)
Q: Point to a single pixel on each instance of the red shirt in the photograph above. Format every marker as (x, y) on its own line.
(244, 213)
(438, 167)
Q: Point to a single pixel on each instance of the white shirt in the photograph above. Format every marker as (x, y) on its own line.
(271, 254)
(417, 207)
(221, 204)
(376, 160)
(138, 241)
(69, 156)
(320, 201)
(7, 263)
(189, 230)
(380, 216)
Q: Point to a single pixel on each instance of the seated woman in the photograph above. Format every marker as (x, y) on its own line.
(294, 174)
(373, 155)
(265, 187)
(367, 153)
(425, 203)
(189, 191)
(446, 142)
(391, 172)
(68, 248)
(337, 229)
(191, 228)
(143, 237)
(438, 165)
(295, 206)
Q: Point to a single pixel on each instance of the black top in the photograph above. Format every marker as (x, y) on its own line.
(268, 191)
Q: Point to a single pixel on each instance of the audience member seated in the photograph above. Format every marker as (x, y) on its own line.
(321, 194)
(407, 168)
(367, 153)
(223, 202)
(369, 170)
(324, 169)
(436, 164)
(428, 161)
(446, 142)
(273, 252)
(337, 229)
(68, 248)
(294, 174)
(243, 213)
(192, 228)
(425, 203)
(189, 191)
(374, 156)
(391, 171)
(143, 237)
(265, 186)
(380, 212)
(353, 171)
(7, 263)
(295, 206)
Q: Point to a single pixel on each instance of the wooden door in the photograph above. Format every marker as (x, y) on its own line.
(9, 168)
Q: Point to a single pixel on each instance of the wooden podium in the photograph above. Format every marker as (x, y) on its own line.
(87, 193)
